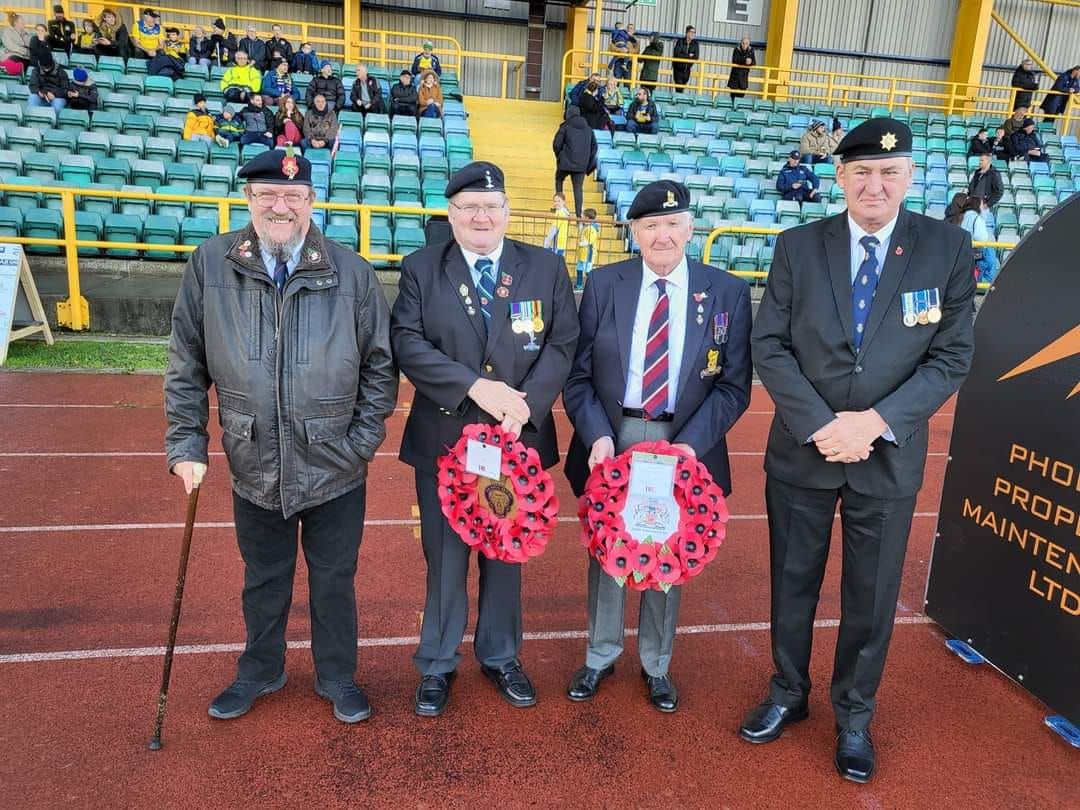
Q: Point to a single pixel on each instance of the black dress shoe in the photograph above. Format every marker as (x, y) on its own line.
(854, 755)
(767, 721)
(586, 682)
(513, 684)
(662, 692)
(433, 694)
(239, 696)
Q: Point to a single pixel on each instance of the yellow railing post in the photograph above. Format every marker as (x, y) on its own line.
(73, 313)
(382, 49)
(224, 219)
(365, 231)
(504, 66)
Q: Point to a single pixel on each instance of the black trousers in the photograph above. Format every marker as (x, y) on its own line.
(875, 535)
(680, 74)
(577, 180)
(330, 534)
(446, 609)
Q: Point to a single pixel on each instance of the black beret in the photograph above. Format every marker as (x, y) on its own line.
(659, 198)
(277, 166)
(477, 176)
(875, 139)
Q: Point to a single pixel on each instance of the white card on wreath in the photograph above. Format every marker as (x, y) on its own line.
(483, 459)
(650, 519)
(652, 475)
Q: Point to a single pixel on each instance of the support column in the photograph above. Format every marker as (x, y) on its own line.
(577, 38)
(534, 49)
(969, 50)
(351, 22)
(780, 45)
(597, 35)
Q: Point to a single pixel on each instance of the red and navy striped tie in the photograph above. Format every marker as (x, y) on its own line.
(654, 382)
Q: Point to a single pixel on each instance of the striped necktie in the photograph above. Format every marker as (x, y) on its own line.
(862, 291)
(654, 381)
(281, 274)
(486, 287)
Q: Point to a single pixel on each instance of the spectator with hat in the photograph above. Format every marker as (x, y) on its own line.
(200, 47)
(1027, 145)
(146, 39)
(404, 99)
(199, 124)
(82, 93)
(241, 81)
(228, 127)
(366, 94)
(276, 84)
(48, 85)
(112, 38)
(426, 60)
(1015, 121)
(297, 466)
(327, 85)
(455, 343)
(664, 355)
(815, 145)
(61, 31)
(223, 42)
(256, 49)
(864, 331)
(797, 181)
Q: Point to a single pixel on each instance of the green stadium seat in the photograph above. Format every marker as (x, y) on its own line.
(788, 212)
(435, 168)
(130, 84)
(105, 81)
(39, 166)
(179, 107)
(345, 182)
(459, 146)
(23, 200)
(159, 86)
(348, 118)
(216, 179)
(112, 170)
(43, 223)
(150, 105)
(194, 152)
(248, 151)
(187, 88)
(93, 144)
(77, 169)
(169, 127)
(40, 117)
(342, 217)
(376, 122)
(377, 165)
(161, 229)
(375, 189)
(123, 228)
(196, 230)
(196, 72)
(106, 121)
(182, 175)
(349, 161)
(139, 124)
(408, 239)
(119, 102)
(98, 205)
(129, 146)
(11, 221)
(148, 173)
(176, 209)
(163, 149)
(344, 234)
(381, 242)
(202, 206)
(111, 64)
(225, 155)
(812, 211)
(24, 139)
(87, 61)
(11, 114)
(135, 207)
(11, 162)
(58, 142)
(89, 226)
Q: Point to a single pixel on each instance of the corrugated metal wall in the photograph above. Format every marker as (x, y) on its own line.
(1052, 31)
(672, 16)
(204, 11)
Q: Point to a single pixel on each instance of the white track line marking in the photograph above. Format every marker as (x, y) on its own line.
(374, 522)
(393, 641)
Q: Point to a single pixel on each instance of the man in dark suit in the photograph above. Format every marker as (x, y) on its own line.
(664, 354)
(451, 333)
(864, 331)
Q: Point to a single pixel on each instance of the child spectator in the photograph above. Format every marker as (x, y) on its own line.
(169, 61)
(429, 96)
(613, 102)
(199, 124)
(84, 40)
(426, 60)
(39, 45)
(229, 128)
(83, 93)
(305, 61)
(556, 238)
(620, 64)
(588, 241)
(620, 36)
(980, 144)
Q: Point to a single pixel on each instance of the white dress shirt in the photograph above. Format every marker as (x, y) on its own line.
(678, 282)
(883, 236)
(471, 259)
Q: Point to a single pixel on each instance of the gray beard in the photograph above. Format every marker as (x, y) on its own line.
(283, 251)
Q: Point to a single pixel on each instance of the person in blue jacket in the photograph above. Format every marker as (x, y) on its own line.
(426, 61)
(797, 181)
(1065, 87)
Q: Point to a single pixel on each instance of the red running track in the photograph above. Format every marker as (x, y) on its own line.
(88, 543)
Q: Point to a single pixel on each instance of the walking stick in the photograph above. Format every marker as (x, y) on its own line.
(166, 670)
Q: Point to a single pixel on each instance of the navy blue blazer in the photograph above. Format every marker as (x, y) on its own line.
(707, 405)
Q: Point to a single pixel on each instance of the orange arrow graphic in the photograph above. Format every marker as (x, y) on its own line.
(1065, 346)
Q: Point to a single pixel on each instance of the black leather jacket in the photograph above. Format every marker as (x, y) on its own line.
(304, 381)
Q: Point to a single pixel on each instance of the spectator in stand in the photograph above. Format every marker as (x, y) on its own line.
(169, 61)
(835, 137)
(613, 103)
(276, 84)
(1001, 145)
(576, 90)
(981, 144)
(575, 151)
(739, 78)
(277, 42)
(967, 214)
(366, 93)
(426, 60)
(15, 45)
(84, 39)
(199, 124)
(147, 38)
(403, 96)
(1016, 121)
(49, 84)
(200, 47)
(619, 35)
(256, 49)
(650, 68)
(258, 122)
(558, 237)
(592, 108)
(986, 185)
(288, 123)
(327, 85)
(429, 96)
(113, 39)
(588, 243)
(61, 31)
(224, 43)
(1066, 85)
(241, 81)
(83, 93)
(320, 125)
(641, 115)
(686, 48)
(1023, 79)
(1026, 144)
(632, 44)
(815, 146)
(796, 181)
(39, 45)
(619, 66)
(305, 60)
(229, 128)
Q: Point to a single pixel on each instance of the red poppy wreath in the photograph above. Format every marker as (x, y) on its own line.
(640, 559)
(508, 519)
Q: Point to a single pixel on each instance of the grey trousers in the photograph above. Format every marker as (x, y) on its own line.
(659, 613)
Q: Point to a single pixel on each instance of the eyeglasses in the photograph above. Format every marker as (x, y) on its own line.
(268, 199)
(492, 210)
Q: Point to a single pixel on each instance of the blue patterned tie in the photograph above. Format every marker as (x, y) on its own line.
(486, 287)
(281, 273)
(862, 291)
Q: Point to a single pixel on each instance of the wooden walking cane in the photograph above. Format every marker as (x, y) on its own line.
(193, 502)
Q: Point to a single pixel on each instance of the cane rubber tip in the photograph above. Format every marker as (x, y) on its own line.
(155, 744)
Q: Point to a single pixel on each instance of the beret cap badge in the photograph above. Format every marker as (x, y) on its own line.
(888, 141)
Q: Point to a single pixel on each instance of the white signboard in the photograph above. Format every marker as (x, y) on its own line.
(21, 312)
(739, 12)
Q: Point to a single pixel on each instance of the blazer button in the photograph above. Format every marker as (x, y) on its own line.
(858, 369)
(489, 368)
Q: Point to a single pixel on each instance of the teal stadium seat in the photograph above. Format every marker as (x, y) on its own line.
(43, 223)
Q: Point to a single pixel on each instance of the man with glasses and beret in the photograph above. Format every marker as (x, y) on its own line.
(452, 337)
(864, 331)
(293, 332)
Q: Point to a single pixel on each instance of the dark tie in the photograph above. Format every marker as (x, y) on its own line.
(281, 273)
(654, 380)
(486, 287)
(862, 291)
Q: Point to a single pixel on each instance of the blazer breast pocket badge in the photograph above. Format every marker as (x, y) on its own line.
(712, 364)
(527, 318)
(921, 307)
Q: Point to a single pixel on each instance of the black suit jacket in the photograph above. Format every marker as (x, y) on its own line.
(805, 356)
(706, 407)
(443, 349)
